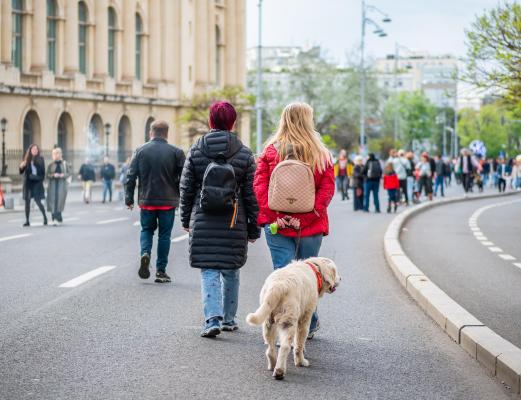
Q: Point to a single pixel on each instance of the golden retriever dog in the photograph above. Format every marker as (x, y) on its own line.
(287, 301)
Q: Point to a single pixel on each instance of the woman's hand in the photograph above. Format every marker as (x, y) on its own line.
(23, 164)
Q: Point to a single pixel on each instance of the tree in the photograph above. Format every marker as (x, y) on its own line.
(195, 110)
(494, 50)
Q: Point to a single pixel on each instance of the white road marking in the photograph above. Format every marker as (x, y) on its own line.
(5, 239)
(487, 243)
(137, 223)
(476, 229)
(180, 238)
(482, 238)
(87, 276)
(110, 221)
(495, 250)
(507, 257)
(518, 265)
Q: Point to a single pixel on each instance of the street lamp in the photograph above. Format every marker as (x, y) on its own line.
(258, 102)
(107, 133)
(380, 32)
(3, 126)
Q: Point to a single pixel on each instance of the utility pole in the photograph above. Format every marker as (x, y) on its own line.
(396, 55)
(362, 82)
(455, 138)
(258, 102)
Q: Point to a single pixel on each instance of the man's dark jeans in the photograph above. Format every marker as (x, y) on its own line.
(163, 220)
(371, 186)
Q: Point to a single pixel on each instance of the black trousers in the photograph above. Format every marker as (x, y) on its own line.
(28, 207)
(467, 181)
(502, 184)
(403, 189)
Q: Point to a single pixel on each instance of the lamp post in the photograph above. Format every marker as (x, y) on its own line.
(107, 133)
(380, 32)
(258, 101)
(3, 125)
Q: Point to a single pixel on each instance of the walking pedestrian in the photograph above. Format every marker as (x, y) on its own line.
(516, 173)
(33, 170)
(108, 173)
(358, 184)
(158, 166)
(342, 177)
(372, 175)
(402, 167)
(439, 179)
(467, 165)
(392, 185)
(425, 176)
(87, 175)
(503, 174)
(58, 173)
(299, 235)
(219, 209)
(411, 178)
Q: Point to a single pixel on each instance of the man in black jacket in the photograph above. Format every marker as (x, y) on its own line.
(108, 173)
(158, 166)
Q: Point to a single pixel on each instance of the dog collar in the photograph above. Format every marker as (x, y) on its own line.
(320, 279)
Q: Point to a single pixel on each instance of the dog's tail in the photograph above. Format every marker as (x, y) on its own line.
(270, 301)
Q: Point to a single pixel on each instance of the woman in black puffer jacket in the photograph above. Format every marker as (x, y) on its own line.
(219, 241)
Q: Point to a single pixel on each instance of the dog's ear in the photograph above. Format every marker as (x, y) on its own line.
(328, 270)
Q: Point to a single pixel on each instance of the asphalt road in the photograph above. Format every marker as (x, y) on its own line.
(476, 262)
(119, 337)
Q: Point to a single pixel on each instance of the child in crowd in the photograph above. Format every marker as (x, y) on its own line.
(391, 184)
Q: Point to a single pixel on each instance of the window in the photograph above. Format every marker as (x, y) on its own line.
(112, 42)
(148, 125)
(17, 30)
(218, 58)
(139, 35)
(83, 17)
(51, 35)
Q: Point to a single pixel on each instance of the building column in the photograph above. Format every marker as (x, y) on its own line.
(129, 40)
(71, 63)
(101, 39)
(240, 46)
(168, 43)
(154, 42)
(5, 31)
(39, 37)
(201, 44)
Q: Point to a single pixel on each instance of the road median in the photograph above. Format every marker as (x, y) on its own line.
(500, 357)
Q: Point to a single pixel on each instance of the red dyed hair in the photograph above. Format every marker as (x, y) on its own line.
(222, 116)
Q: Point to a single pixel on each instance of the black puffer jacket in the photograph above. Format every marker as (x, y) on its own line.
(213, 244)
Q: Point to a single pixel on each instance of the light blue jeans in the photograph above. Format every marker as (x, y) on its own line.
(282, 249)
(220, 294)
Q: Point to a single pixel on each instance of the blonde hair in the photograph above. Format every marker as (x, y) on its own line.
(296, 136)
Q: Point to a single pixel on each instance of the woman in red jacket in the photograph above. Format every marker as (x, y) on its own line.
(392, 185)
(296, 134)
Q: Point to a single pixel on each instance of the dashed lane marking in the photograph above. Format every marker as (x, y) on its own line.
(507, 257)
(495, 250)
(87, 276)
(180, 238)
(518, 265)
(137, 223)
(110, 221)
(487, 243)
(6, 238)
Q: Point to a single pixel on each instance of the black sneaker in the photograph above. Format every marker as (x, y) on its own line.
(229, 326)
(26, 224)
(144, 272)
(162, 277)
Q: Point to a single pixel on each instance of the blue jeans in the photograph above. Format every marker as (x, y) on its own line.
(107, 187)
(220, 294)
(371, 186)
(440, 182)
(150, 221)
(282, 249)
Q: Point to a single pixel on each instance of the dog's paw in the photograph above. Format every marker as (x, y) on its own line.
(302, 363)
(271, 367)
(278, 374)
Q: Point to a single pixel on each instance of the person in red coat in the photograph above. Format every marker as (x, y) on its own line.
(392, 185)
(296, 134)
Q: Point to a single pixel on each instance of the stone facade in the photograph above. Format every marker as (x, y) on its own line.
(80, 65)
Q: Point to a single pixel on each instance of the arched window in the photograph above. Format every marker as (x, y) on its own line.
(148, 125)
(94, 148)
(83, 18)
(65, 133)
(17, 30)
(52, 16)
(139, 40)
(218, 56)
(124, 136)
(112, 42)
(31, 129)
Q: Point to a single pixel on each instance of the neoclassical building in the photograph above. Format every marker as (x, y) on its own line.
(92, 75)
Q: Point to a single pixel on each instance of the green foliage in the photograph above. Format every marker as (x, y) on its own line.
(494, 50)
(333, 93)
(493, 125)
(195, 110)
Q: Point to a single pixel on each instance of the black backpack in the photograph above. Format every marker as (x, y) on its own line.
(219, 186)
(374, 171)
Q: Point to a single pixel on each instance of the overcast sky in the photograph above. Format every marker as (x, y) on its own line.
(436, 26)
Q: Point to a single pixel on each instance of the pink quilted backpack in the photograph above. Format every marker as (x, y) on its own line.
(292, 188)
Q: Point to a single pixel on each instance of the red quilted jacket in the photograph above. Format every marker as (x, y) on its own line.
(312, 223)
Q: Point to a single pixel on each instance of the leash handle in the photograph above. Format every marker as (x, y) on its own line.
(299, 231)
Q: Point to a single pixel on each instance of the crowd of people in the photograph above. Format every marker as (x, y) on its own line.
(408, 178)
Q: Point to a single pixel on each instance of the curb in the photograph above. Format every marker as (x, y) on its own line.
(500, 357)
